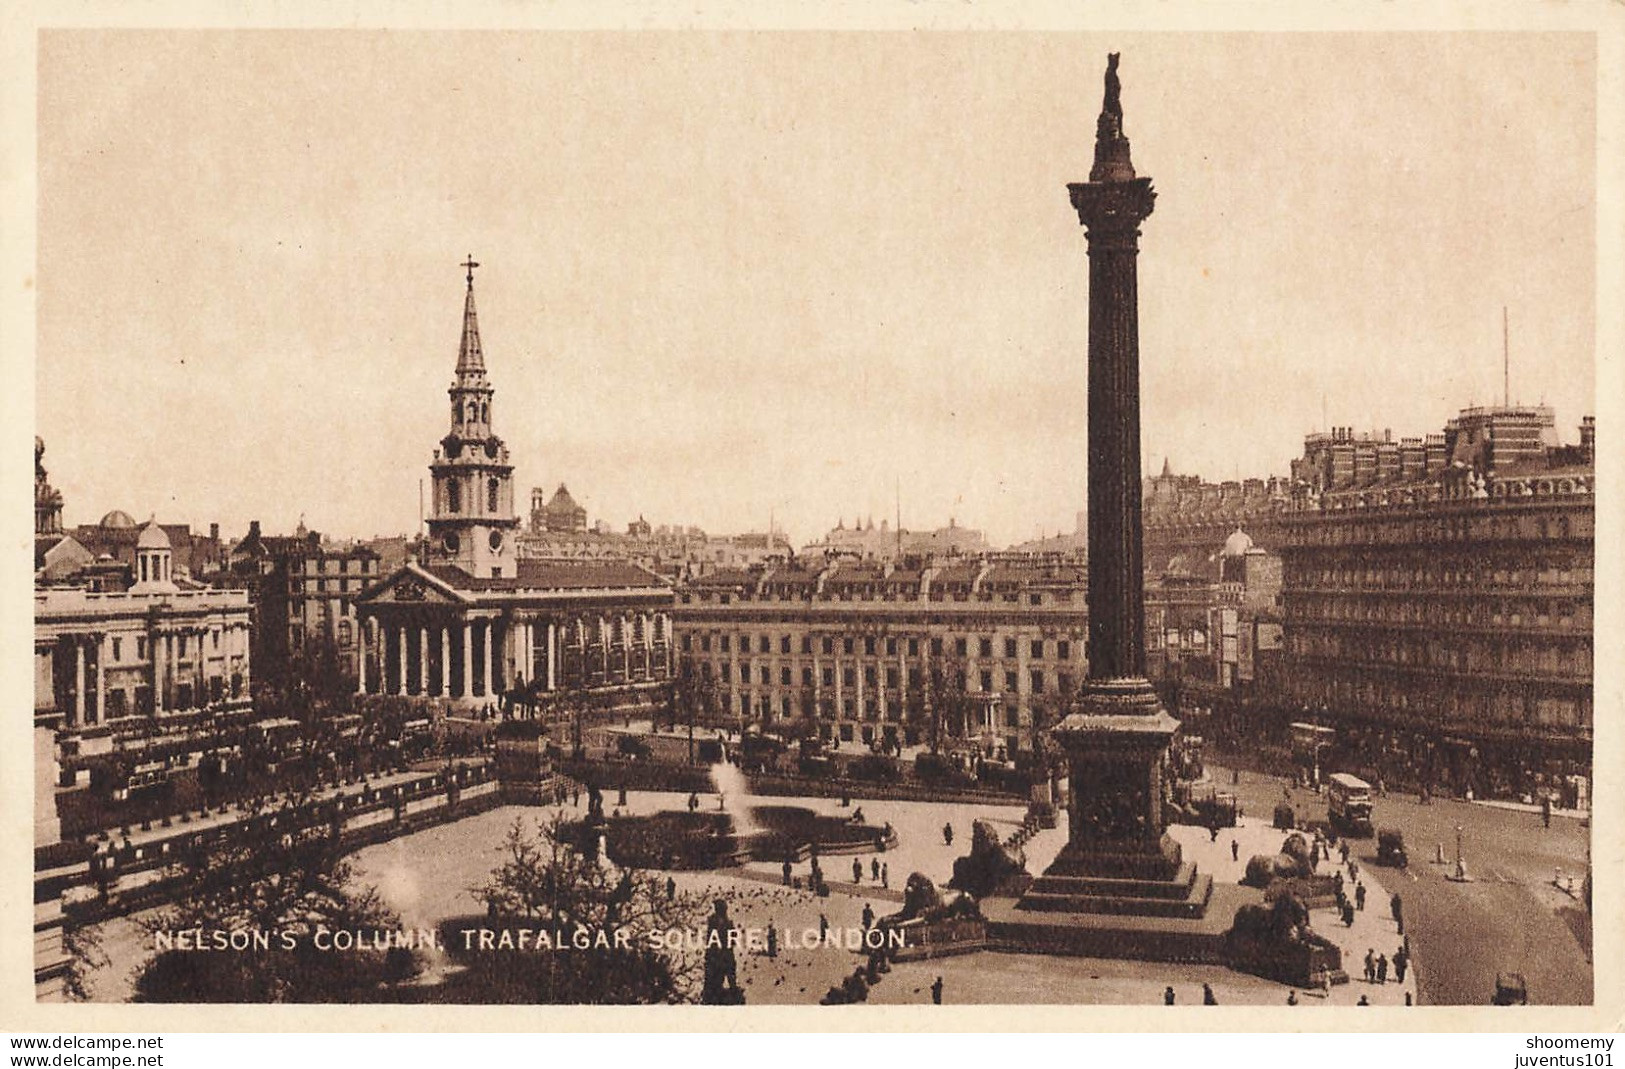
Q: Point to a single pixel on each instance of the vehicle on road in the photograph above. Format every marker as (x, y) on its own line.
(1348, 805)
(1391, 848)
(1510, 990)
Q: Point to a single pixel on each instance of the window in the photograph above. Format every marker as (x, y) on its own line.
(1010, 682)
(1038, 649)
(869, 675)
(726, 672)
(869, 646)
(784, 644)
(725, 643)
(806, 677)
(454, 496)
(1038, 682)
(493, 490)
(1010, 648)
(141, 648)
(960, 646)
(764, 644)
(891, 678)
(936, 647)
(913, 647)
(765, 675)
(744, 671)
(1036, 599)
(806, 644)
(1063, 650)
(829, 644)
(987, 682)
(846, 646)
(705, 643)
(829, 677)
(848, 678)
(688, 642)
(985, 647)
(891, 647)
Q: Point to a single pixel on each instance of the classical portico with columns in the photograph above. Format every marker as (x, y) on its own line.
(467, 622)
(432, 631)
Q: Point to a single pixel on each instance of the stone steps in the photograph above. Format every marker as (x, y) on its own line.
(1169, 900)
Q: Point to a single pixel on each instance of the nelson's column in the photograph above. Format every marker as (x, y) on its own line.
(1118, 859)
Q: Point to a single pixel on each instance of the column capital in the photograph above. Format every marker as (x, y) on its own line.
(1112, 211)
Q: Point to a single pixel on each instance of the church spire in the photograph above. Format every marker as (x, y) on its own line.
(470, 357)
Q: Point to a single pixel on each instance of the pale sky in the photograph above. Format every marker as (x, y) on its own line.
(729, 274)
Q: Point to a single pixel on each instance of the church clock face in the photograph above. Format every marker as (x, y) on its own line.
(496, 541)
(453, 448)
(450, 542)
(491, 449)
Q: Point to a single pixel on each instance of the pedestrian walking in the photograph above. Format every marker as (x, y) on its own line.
(823, 928)
(936, 991)
(1207, 996)
(1371, 965)
(1348, 914)
(1402, 961)
(857, 871)
(1345, 848)
(1382, 968)
(787, 872)
(1168, 996)
(948, 835)
(1359, 896)
(671, 888)
(772, 940)
(1314, 854)
(874, 868)
(1396, 906)
(1546, 812)
(885, 875)
(1363, 1001)
(1235, 850)
(868, 916)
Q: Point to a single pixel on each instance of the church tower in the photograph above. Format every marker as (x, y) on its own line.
(472, 522)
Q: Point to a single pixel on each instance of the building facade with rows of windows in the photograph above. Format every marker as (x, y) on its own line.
(1443, 622)
(987, 650)
(303, 590)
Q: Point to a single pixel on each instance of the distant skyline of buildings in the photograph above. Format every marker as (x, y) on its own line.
(1488, 436)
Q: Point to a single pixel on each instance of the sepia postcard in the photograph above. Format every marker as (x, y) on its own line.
(917, 517)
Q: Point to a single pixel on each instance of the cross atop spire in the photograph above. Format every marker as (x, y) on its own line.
(470, 357)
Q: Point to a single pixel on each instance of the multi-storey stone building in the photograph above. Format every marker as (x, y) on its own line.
(1437, 600)
(104, 659)
(989, 648)
(1187, 518)
(303, 590)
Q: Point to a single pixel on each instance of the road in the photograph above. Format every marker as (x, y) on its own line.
(1509, 919)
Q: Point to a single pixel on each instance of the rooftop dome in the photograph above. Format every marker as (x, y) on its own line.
(1237, 544)
(152, 537)
(117, 518)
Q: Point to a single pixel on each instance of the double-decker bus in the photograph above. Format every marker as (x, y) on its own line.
(1348, 804)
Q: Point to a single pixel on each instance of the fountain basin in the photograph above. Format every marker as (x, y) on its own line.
(673, 839)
